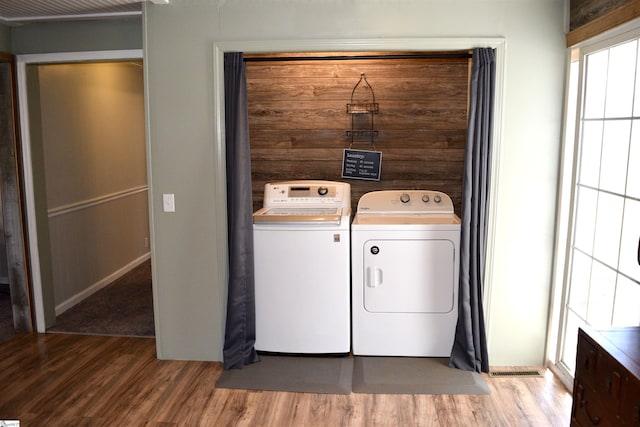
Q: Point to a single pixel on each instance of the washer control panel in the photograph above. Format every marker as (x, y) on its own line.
(405, 202)
(307, 194)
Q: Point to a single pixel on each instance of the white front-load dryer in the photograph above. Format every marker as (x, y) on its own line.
(405, 260)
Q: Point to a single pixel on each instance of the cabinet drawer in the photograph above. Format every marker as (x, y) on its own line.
(586, 360)
(609, 382)
(630, 403)
(587, 410)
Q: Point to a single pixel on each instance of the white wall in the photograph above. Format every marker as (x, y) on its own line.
(189, 245)
(529, 163)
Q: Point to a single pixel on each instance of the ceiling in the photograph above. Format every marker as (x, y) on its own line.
(24, 11)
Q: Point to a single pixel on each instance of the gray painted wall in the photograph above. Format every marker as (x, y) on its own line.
(184, 149)
(5, 38)
(77, 36)
(189, 246)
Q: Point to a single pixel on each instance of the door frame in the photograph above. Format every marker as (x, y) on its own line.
(30, 207)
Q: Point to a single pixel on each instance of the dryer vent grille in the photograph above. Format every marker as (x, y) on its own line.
(516, 373)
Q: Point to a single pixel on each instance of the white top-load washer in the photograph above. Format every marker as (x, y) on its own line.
(302, 268)
(405, 258)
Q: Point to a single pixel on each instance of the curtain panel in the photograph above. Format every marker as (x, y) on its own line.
(470, 345)
(240, 330)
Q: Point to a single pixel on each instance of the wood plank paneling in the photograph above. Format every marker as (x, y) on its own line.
(11, 193)
(76, 380)
(582, 12)
(591, 18)
(298, 122)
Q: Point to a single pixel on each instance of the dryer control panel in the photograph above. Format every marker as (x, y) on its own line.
(405, 202)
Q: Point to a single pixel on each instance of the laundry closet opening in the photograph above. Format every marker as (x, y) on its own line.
(298, 118)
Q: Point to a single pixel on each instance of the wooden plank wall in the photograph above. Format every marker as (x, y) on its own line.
(590, 18)
(12, 225)
(582, 12)
(298, 122)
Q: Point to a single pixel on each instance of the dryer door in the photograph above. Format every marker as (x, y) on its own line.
(409, 276)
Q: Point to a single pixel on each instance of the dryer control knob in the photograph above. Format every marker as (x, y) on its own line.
(437, 198)
(425, 198)
(404, 198)
(323, 191)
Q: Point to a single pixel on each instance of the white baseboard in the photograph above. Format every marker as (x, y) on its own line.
(86, 293)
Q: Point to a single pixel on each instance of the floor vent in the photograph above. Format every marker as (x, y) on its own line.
(515, 373)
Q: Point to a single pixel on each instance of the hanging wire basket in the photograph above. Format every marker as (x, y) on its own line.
(363, 101)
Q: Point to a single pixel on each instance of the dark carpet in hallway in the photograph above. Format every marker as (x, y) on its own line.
(6, 314)
(123, 308)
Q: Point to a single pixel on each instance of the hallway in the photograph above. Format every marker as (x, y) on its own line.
(123, 308)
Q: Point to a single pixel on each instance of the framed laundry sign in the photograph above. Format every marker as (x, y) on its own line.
(361, 164)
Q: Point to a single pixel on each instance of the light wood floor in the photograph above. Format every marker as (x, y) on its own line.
(75, 380)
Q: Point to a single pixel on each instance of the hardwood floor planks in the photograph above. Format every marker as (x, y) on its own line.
(554, 405)
(75, 380)
(518, 403)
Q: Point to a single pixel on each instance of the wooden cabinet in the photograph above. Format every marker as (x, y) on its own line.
(606, 389)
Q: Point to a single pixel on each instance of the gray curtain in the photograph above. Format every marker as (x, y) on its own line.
(240, 332)
(470, 345)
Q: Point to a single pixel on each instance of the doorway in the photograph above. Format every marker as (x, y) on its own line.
(85, 158)
(601, 267)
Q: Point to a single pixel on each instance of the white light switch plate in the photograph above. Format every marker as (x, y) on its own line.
(168, 203)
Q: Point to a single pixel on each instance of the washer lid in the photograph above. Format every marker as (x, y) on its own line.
(298, 215)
